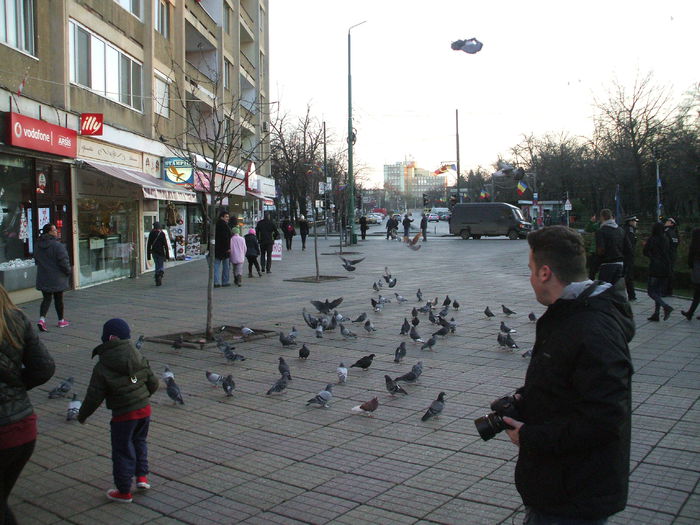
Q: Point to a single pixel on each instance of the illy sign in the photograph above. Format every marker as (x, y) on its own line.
(91, 123)
(27, 132)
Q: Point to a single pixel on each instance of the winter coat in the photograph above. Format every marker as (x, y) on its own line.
(304, 228)
(658, 250)
(363, 224)
(238, 249)
(266, 232)
(288, 229)
(22, 369)
(424, 223)
(252, 246)
(53, 265)
(576, 407)
(122, 377)
(609, 241)
(629, 244)
(672, 234)
(406, 223)
(157, 244)
(222, 238)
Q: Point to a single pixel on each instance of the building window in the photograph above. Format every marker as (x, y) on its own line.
(227, 19)
(17, 24)
(133, 6)
(227, 74)
(162, 17)
(162, 96)
(104, 69)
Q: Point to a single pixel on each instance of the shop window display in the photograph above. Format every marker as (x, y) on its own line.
(15, 209)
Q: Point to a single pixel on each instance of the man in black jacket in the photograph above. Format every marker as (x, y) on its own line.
(222, 250)
(628, 253)
(573, 427)
(267, 233)
(671, 231)
(609, 243)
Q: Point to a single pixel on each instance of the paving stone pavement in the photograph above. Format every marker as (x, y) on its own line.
(259, 459)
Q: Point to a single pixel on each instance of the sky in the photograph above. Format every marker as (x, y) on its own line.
(542, 66)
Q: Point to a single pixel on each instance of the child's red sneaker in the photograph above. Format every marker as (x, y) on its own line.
(115, 495)
(142, 482)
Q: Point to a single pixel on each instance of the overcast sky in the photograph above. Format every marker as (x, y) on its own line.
(542, 65)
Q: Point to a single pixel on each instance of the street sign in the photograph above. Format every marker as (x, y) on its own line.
(567, 205)
(535, 196)
(321, 188)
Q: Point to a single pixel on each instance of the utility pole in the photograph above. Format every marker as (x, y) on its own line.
(325, 181)
(351, 141)
(459, 192)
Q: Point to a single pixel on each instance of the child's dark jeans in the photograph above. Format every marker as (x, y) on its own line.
(129, 451)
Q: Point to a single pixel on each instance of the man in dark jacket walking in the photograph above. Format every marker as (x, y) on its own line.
(573, 423)
(609, 243)
(222, 250)
(671, 231)
(628, 254)
(424, 227)
(267, 233)
(303, 231)
(406, 226)
(52, 274)
(157, 248)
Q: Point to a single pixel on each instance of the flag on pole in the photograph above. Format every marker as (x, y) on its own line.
(618, 203)
(484, 194)
(453, 167)
(442, 169)
(522, 187)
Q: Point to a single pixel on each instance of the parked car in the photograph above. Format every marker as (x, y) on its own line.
(445, 216)
(433, 217)
(489, 219)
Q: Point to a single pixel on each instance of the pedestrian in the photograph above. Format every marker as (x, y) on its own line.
(288, 231)
(694, 265)
(671, 231)
(363, 227)
(52, 274)
(303, 231)
(406, 226)
(157, 248)
(238, 251)
(609, 243)
(252, 252)
(267, 234)
(658, 249)
(222, 251)
(424, 227)
(25, 364)
(592, 226)
(572, 420)
(391, 223)
(628, 252)
(123, 378)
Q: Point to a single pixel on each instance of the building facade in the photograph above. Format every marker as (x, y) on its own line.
(111, 108)
(405, 183)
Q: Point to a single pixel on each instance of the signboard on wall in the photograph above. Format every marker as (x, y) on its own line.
(91, 123)
(178, 171)
(31, 133)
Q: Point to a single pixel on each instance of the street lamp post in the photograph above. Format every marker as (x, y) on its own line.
(459, 191)
(351, 135)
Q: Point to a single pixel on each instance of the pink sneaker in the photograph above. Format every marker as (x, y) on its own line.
(115, 495)
(63, 323)
(42, 325)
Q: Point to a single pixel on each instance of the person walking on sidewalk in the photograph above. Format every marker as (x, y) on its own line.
(303, 231)
(694, 265)
(363, 227)
(252, 252)
(609, 243)
(123, 377)
(222, 251)
(52, 274)
(628, 252)
(658, 249)
(391, 224)
(157, 247)
(424, 227)
(288, 231)
(267, 233)
(671, 231)
(25, 364)
(238, 251)
(406, 227)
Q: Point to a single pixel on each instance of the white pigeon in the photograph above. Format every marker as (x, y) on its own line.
(214, 379)
(245, 331)
(167, 373)
(73, 408)
(342, 373)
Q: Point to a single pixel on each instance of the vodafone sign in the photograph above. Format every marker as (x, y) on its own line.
(30, 133)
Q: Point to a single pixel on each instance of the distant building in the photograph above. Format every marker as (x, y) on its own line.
(405, 183)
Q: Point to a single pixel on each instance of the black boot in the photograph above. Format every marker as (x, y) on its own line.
(159, 278)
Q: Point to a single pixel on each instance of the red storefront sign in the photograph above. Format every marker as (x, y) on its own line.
(91, 123)
(30, 133)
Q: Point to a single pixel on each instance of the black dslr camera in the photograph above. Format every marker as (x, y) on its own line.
(491, 424)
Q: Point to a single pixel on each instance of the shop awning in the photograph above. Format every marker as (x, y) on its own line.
(152, 188)
(254, 194)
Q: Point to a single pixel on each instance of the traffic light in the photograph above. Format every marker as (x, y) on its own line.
(425, 200)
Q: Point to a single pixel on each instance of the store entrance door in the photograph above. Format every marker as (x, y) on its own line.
(53, 201)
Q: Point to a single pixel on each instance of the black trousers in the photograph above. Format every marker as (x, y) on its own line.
(266, 256)
(129, 451)
(303, 241)
(12, 461)
(288, 241)
(252, 261)
(696, 300)
(46, 302)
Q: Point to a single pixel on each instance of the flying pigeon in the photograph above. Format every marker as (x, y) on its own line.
(510, 343)
(213, 378)
(173, 391)
(349, 264)
(413, 243)
(532, 317)
(400, 298)
(392, 387)
(419, 294)
(489, 313)
(342, 372)
(364, 362)
(284, 369)
(369, 326)
(167, 373)
(177, 344)
(73, 408)
(323, 397)
(346, 333)
(328, 306)
(414, 335)
(430, 343)
(245, 331)
(455, 305)
(279, 385)
(400, 352)
(507, 310)
(304, 352)
(506, 330)
(286, 340)
(360, 318)
(62, 389)
(139, 342)
(405, 327)
(435, 408)
(469, 45)
(415, 321)
(367, 407)
(443, 331)
(228, 385)
(447, 301)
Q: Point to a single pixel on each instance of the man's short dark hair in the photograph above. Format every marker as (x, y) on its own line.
(222, 213)
(605, 214)
(561, 249)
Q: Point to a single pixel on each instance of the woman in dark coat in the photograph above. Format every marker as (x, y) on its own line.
(363, 227)
(303, 231)
(694, 264)
(288, 231)
(658, 249)
(157, 248)
(252, 252)
(52, 274)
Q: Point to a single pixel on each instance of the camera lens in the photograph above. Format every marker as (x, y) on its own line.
(489, 425)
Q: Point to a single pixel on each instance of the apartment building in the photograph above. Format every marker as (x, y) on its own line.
(405, 180)
(113, 112)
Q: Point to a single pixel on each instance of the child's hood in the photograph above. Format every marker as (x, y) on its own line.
(119, 356)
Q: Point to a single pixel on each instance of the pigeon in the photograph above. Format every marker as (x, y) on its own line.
(279, 385)
(427, 308)
(167, 373)
(245, 331)
(369, 326)
(443, 331)
(228, 351)
(447, 301)
(452, 325)
(319, 332)
(392, 282)
(415, 321)
(328, 306)
(510, 343)
(435, 301)
(73, 408)
(364, 362)
(417, 368)
(413, 334)
(413, 375)
(413, 243)
(400, 298)
(377, 305)
(392, 387)
(400, 352)
(527, 353)
(405, 327)
(349, 264)
(62, 389)
(139, 342)
(367, 407)
(414, 312)
(455, 305)
(311, 321)
(284, 369)
(419, 294)
(286, 340)
(342, 372)
(532, 317)
(360, 318)
(323, 397)
(507, 310)
(293, 333)
(444, 312)
(346, 333)
(375, 286)
(214, 379)
(383, 300)
(173, 391)
(430, 343)
(177, 344)
(432, 317)
(387, 274)
(228, 385)
(489, 313)
(435, 408)
(506, 330)
(304, 352)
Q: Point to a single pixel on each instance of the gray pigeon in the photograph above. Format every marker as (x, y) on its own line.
(62, 389)
(435, 408)
(342, 372)
(510, 343)
(346, 333)
(507, 310)
(506, 330)
(293, 333)
(444, 311)
(417, 368)
(376, 305)
(369, 326)
(283, 367)
(73, 408)
(361, 318)
(443, 331)
(400, 352)
(501, 339)
(213, 378)
(286, 340)
(340, 318)
(432, 317)
(139, 342)
(323, 397)
(228, 351)
(393, 387)
(413, 334)
(173, 391)
(375, 287)
(400, 298)
(430, 343)
(488, 312)
(279, 385)
(413, 375)
(405, 327)
(228, 385)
